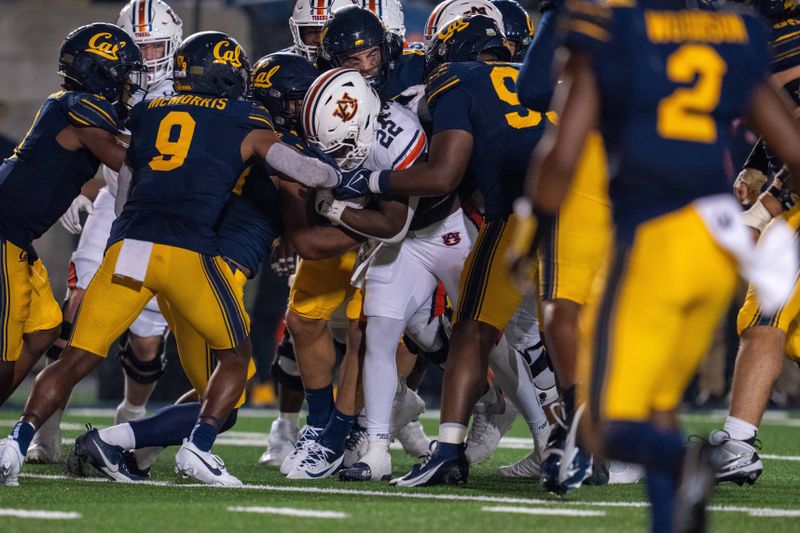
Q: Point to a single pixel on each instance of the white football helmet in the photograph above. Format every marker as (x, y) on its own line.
(312, 14)
(340, 113)
(449, 10)
(153, 21)
(390, 12)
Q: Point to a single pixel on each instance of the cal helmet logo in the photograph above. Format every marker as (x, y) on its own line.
(452, 28)
(263, 79)
(346, 107)
(102, 45)
(224, 53)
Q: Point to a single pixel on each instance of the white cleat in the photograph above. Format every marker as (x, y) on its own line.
(492, 417)
(376, 465)
(407, 406)
(413, 439)
(11, 459)
(319, 462)
(527, 467)
(45, 447)
(282, 436)
(620, 473)
(203, 466)
(739, 461)
(305, 437)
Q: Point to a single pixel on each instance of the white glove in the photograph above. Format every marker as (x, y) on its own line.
(329, 207)
(71, 219)
(748, 185)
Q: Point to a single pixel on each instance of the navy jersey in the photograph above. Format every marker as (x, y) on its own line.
(40, 180)
(785, 44)
(671, 83)
(408, 70)
(481, 98)
(251, 219)
(185, 155)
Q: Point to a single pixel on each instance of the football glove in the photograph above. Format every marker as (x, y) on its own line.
(71, 219)
(284, 258)
(354, 184)
(328, 206)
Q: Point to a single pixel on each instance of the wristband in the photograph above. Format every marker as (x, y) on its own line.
(783, 195)
(379, 181)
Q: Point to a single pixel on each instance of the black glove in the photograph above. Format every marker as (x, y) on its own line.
(354, 184)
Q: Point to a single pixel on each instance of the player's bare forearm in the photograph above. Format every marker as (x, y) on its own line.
(383, 223)
(103, 144)
(555, 159)
(449, 155)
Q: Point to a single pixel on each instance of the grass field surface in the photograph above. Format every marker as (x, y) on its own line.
(47, 500)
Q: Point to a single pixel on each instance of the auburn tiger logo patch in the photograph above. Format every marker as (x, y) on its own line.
(346, 107)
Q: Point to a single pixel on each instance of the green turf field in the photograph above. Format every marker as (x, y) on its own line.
(487, 504)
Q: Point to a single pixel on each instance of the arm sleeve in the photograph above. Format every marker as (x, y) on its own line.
(535, 84)
(309, 171)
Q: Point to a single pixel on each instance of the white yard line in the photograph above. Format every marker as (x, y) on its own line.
(43, 515)
(753, 511)
(539, 511)
(290, 511)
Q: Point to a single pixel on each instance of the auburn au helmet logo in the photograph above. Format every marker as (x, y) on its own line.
(226, 53)
(346, 107)
(263, 79)
(101, 44)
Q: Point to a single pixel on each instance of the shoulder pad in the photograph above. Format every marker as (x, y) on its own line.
(293, 141)
(259, 117)
(87, 110)
(446, 77)
(409, 142)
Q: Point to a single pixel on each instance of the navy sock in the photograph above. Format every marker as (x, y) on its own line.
(320, 406)
(23, 433)
(168, 427)
(448, 450)
(203, 436)
(660, 452)
(335, 433)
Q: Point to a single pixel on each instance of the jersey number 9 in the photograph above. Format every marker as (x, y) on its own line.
(524, 117)
(685, 115)
(173, 152)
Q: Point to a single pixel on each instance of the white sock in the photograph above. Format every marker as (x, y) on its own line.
(120, 435)
(127, 411)
(380, 372)
(291, 418)
(739, 429)
(452, 433)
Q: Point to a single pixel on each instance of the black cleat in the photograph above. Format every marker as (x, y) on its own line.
(698, 478)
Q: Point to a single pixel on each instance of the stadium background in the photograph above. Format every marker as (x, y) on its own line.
(31, 32)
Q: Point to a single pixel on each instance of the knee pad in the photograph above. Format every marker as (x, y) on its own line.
(544, 379)
(53, 352)
(439, 355)
(143, 372)
(284, 366)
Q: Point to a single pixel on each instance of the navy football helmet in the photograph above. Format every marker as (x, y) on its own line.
(102, 59)
(353, 29)
(465, 39)
(517, 26)
(278, 79)
(212, 63)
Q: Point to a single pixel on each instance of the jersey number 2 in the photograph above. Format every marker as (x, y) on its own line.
(685, 115)
(173, 153)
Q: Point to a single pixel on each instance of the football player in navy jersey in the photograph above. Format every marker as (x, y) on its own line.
(478, 123)
(73, 132)
(627, 74)
(186, 154)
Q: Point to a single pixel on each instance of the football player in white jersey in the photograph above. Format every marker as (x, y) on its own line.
(344, 117)
(157, 29)
(308, 18)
